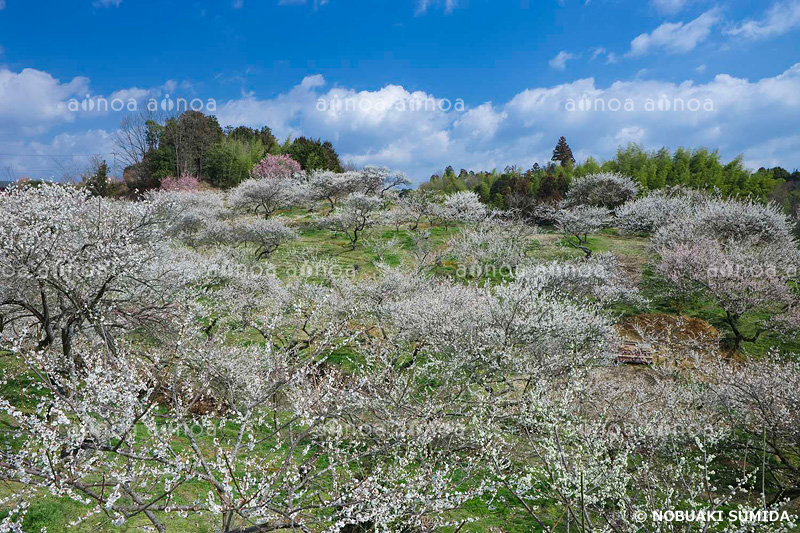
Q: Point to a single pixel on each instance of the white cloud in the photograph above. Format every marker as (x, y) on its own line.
(381, 126)
(773, 152)
(629, 134)
(560, 61)
(107, 3)
(675, 37)
(315, 80)
(700, 68)
(31, 101)
(668, 7)
(132, 93)
(597, 52)
(448, 5)
(65, 155)
(481, 122)
(611, 57)
(316, 3)
(781, 18)
(419, 133)
(2, 4)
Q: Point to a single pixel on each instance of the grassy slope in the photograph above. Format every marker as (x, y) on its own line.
(505, 515)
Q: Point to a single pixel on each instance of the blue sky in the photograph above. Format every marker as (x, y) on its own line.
(516, 66)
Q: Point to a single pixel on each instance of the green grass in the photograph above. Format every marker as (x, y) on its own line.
(503, 513)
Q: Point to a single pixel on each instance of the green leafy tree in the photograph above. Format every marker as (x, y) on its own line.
(192, 136)
(680, 172)
(156, 165)
(229, 162)
(590, 166)
(249, 136)
(313, 154)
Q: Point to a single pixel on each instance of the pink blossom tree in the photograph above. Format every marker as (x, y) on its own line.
(185, 183)
(276, 167)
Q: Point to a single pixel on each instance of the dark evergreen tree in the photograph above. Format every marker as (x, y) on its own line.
(563, 153)
(97, 183)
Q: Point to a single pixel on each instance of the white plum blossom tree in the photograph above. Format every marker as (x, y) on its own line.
(187, 215)
(378, 180)
(742, 256)
(659, 208)
(270, 190)
(760, 399)
(599, 278)
(73, 263)
(265, 235)
(515, 328)
(730, 220)
(462, 207)
(357, 214)
(371, 180)
(741, 279)
(493, 246)
(418, 205)
(326, 185)
(606, 189)
(580, 222)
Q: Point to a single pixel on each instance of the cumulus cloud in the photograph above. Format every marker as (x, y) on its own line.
(480, 123)
(393, 126)
(675, 37)
(31, 101)
(781, 18)
(560, 61)
(773, 152)
(419, 132)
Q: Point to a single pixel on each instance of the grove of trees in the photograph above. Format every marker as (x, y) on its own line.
(252, 338)
(192, 360)
(516, 188)
(194, 144)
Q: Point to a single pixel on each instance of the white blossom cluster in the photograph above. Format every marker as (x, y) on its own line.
(605, 189)
(739, 254)
(149, 370)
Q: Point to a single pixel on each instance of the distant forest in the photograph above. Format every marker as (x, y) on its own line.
(195, 144)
